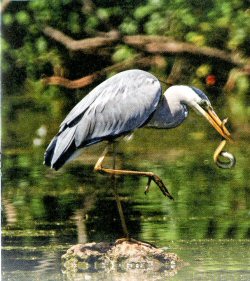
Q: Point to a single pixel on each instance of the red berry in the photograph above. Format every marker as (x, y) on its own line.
(211, 80)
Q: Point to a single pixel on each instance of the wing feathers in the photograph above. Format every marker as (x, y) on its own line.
(117, 106)
(57, 152)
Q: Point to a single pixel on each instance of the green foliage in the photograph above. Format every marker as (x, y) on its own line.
(129, 26)
(122, 53)
(7, 19)
(203, 70)
(23, 18)
(217, 23)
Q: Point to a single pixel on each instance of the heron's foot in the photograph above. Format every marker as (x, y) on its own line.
(132, 240)
(160, 184)
(151, 176)
(121, 240)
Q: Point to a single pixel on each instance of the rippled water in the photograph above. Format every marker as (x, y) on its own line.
(207, 225)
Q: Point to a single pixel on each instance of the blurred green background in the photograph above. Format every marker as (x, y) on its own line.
(46, 211)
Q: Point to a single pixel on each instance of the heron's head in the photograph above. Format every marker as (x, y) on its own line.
(201, 104)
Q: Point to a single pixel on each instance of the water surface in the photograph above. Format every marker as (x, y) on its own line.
(207, 225)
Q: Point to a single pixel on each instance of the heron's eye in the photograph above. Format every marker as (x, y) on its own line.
(205, 104)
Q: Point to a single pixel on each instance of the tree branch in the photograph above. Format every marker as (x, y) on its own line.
(161, 45)
(4, 5)
(234, 75)
(88, 80)
(150, 44)
(86, 45)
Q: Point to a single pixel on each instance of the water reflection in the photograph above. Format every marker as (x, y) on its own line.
(44, 212)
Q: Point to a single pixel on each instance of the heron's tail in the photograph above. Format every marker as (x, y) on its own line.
(48, 155)
(60, 149)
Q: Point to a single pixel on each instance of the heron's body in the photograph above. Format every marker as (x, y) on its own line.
(121, 104)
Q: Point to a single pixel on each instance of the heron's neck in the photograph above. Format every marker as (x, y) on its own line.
(171, 111)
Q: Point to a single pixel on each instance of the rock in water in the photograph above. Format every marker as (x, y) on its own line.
(122, 255)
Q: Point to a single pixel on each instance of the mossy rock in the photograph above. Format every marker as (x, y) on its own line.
(123, 255)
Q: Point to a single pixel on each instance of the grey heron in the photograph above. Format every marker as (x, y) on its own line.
(123, 103)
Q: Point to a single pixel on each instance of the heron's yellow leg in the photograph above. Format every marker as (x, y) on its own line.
(98, 168)
(117, 199)
(151, 176)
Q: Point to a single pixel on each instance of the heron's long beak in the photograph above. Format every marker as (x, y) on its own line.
(215, 121)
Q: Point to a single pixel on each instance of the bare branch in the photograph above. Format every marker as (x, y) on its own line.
(88, 80)
(86, 45)
(161, 44)
(234, 75)
(70, 84)
(4, 5)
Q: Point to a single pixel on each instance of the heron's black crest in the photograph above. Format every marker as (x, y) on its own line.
(199, 93)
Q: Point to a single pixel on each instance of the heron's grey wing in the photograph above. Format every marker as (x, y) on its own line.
(77, 112)
(123, 104)
(119, 105)
(115, 83)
